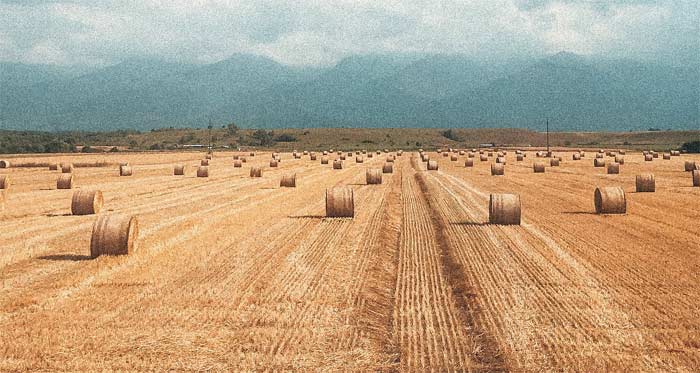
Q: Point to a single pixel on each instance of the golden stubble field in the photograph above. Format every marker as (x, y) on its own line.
(236, 273)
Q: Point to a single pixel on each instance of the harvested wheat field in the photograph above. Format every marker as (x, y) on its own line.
(232, 272)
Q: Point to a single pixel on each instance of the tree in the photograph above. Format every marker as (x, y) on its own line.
(691, 147)
(232, 129)
(263, 137)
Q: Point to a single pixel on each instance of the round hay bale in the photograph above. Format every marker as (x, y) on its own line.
(610, 200)
(342, 157)
(388, 168)
(445, 154)
(256, 172)
(237, 163)
(620, 159)
(554, 162)
(501, 159)
(208, 156)
(325, 152)
(599, 162)
(288, 181)
(483, 158)
(204, 162)
(203, 171)
(359, 159)
(297, 156)
(613, 168)
(370, 155)
(461, 152)
(390, 158)
(667, 156)
(53, 167)
(432, 166)
(696, 178)
(538, 167)
(4, 164)
(519, 157)
(312, 157)
(655, 154)
(648, 157)
(601, 151)
(583, 154)
(504, 209)
(66, 168)
(498, 169)
(179, 170)
(599, 156)
(252, 154)
(324, 160)
(399, 153)
(469, 162)
(645, 183)
(86, 202)
(379, 152)
(426, 157)
(337, 164)
(373, 176)
(675, 153)
(273, 163)
(4, 182)
(340, 202)
(114, 234)
(621, 151)
(306, 152)
(65, 181)
(244, 159)
(576, 156)
(125, 171)
(453, 158)
(470, 155)
(236, 156)
(689, 166)
(490, 154)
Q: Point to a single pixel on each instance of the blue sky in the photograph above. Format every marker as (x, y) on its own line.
(313, 33)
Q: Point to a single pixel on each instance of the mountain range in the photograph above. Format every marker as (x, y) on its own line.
(394, 90)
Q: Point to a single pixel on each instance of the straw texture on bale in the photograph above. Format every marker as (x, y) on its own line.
(576, 156)
(610, 200)
(4, 164)
(65, 181)
(497, 169)
(483, 158)
(599, 162)
(252, 154)
(648, 157)
(289, 181)
(370, 155)
(306, 152)
(469, 162)
(696, 178)
(340, 202)
(501, 160)
(67, 168)
(445, 154)
(689, 166)
(519, 157)
(337, 164)
(237, 163)
(399, 153)
(613, 168)
(125, 171)
(373, 176)
(470, 155)
(645, 183)
(453, 158)
(256, 172)
(425, 157)
(203, 171)
(86, 202)
(621, 151)
(53, 167)
(208, 156)
(244, 159)
(667, 156)
(114, 234)
(461, 152)
(675, 153)
(4, 182)
(342, 157)
(504, 209)
(554, 162)
(236, 157)
(179, 170)
(324, 160)
(204, 162)
(538, 167)
(432, 165)
(620, 159)
(273, 163)
(359, 159)
(655, 155)
(599, 156)
(388, 168)
(312, 157)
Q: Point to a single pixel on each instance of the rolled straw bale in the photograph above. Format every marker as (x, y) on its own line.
(399, 153)
(306, 152)
(613, 168)
(601, 151)
(86, 202)
(621, 151)
(655, 154)
(288, 181)
(519, 157)
(620, 159)
(439, 150)
(554, 162)
(208, 156)
(114, 234)
(599, 156)
(490, 154)
(370, 155)
(273, 163)
(538, 167)
(453, 158)
(598, 162)
(297, 156)
(236, 156)
(204, 162)
(576, 156)
(350, 154)
(432, 165)
(461, 152)
(252, 154)
(66, 168)
(373, 176)
(325, 152)
(4, 182)
(359, 159)
(388, 168)
(324, 160)
(379, 152)
(342, 157)
(610, 200)
(125, 171)
(445, 154)
(469, 162)
(648, 157)
(675, 153)
(244, 159)
(53, 167)
(203, 171)
(340, 202)
(337, 164)
(4, 163)
(483, 158)
(312, 156)
(497, 169)
(390, 158)
(237, 163)
(645, 183)
(667, 156)
(501, 159)
(470, 155)
(583, 154)
(256, 171)
(65, 181)
(504, 209)
(696, 178)
(179, 170)
(689, 166)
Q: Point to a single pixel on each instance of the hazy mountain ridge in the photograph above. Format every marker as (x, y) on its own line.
(575, 92)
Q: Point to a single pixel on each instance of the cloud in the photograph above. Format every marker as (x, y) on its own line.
(322, 32)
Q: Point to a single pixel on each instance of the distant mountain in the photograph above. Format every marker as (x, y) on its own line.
(574, 92)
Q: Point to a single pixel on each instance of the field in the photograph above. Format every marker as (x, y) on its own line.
(236, 273)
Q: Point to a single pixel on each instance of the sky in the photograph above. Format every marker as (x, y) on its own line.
(322, 32)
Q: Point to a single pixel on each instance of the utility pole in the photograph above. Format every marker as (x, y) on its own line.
(210, 127)
(547, 135)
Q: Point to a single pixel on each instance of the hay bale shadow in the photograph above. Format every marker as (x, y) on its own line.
(66, 257)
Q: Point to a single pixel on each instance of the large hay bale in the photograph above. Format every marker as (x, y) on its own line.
(445, 154)
(648, 157)
(425, 157)
(655, 154)
(53, 166)
(208, 156)
(370, 155)
(504, 209)
(237, 163)
(305, 152)
(373, 176)
(86, 202)
(288, 181)
(461, 152)
(179, 170)
(498, 169)
(538, 167)
(645, 183)
(583, 154)
(125, 171)
(675, 153)
(696, 178)
(519, 157)
(399, 152)
(613, 168)
(4, 182)
(620, 159)
(501, 160)
(256, 171)
(312, 156)
(204, 162)
(324, 160)
(342, 157)
(388, 168)
(610, 200)
(114, 234)
(453, 158)
(325, 152)
(65, 181)
(236, 156)
(470, 155)
(203, 171)
(273, 163)
(667, 156)
(4, 163)
(576, 156)
(621, 151)
(252, 154)
(483, 158)
(554, 162)
(340, 202)
(359, 159)
(469, 162)
(689, 166)
(432, 166)
(390, 158)
(599, 162)
(66, 168)
(337, 164)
